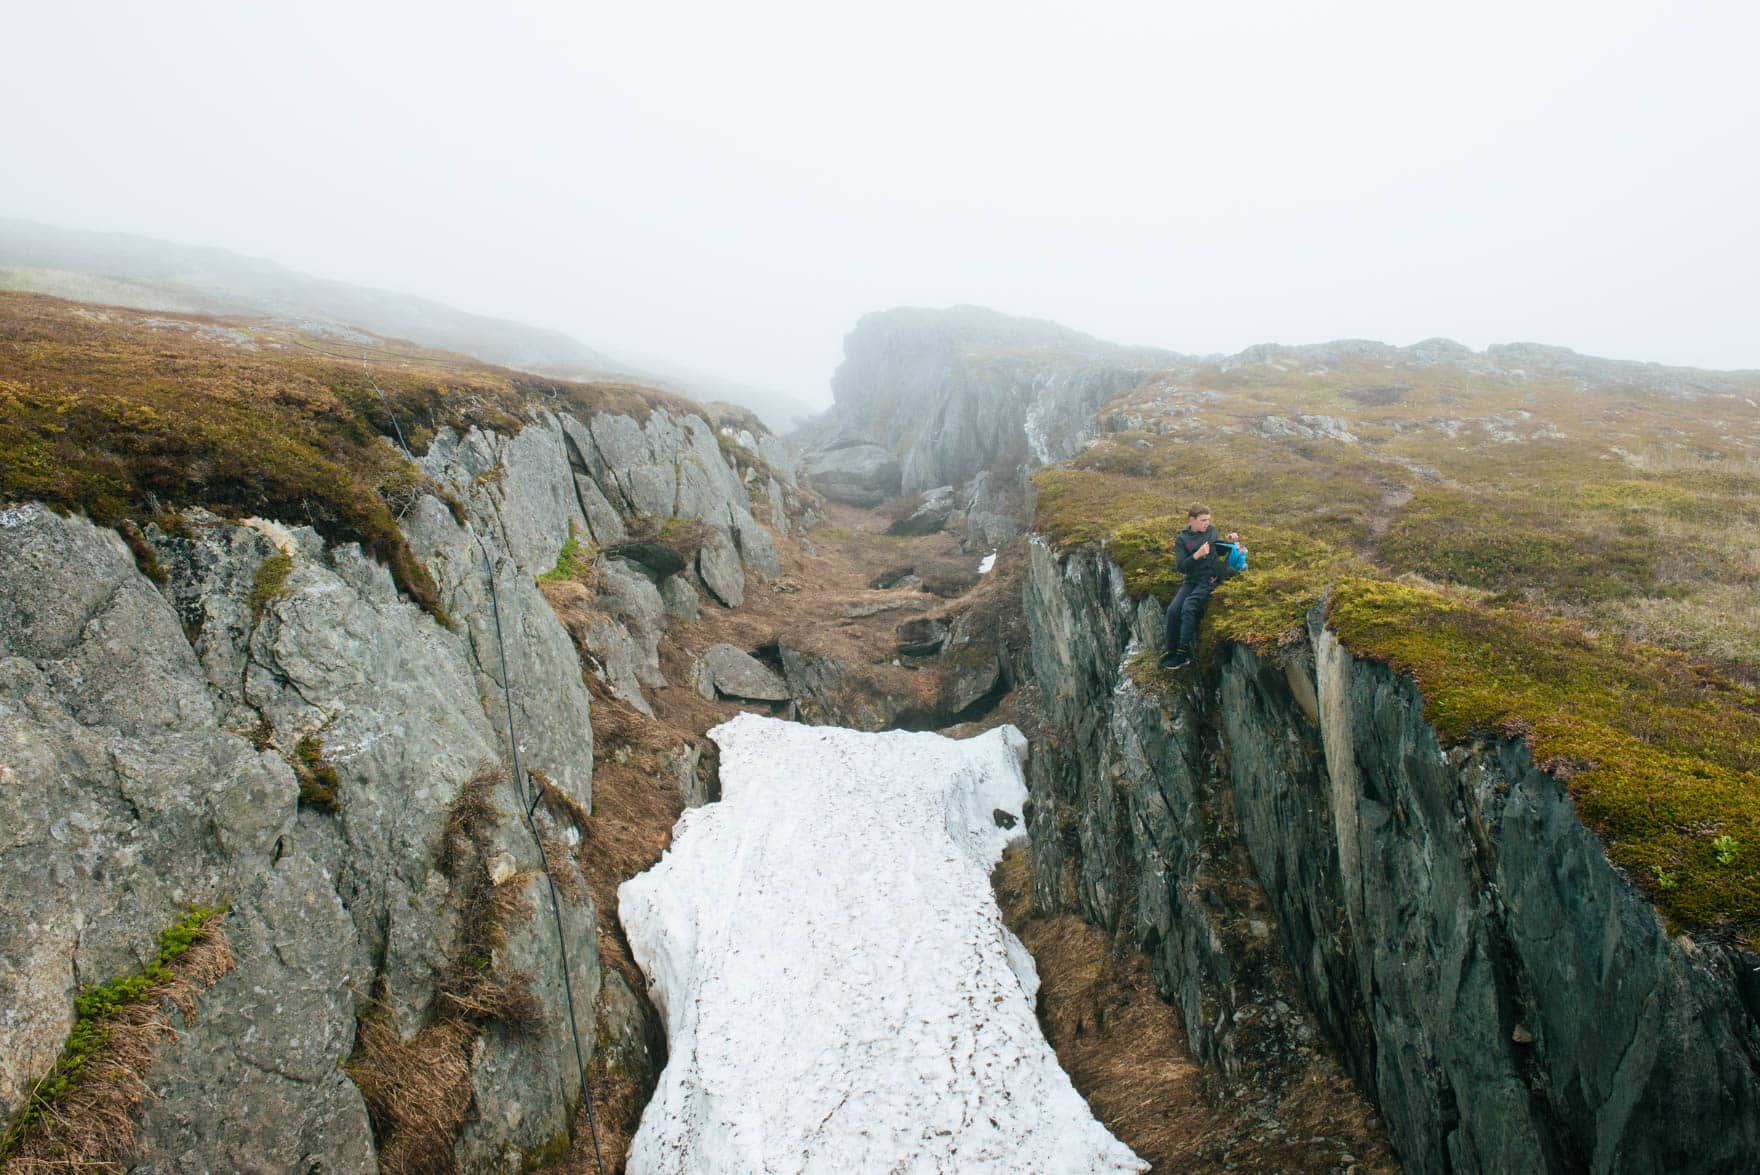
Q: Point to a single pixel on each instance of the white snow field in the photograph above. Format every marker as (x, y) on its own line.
(839, 991)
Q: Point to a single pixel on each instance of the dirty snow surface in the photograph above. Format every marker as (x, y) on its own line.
(839, 991)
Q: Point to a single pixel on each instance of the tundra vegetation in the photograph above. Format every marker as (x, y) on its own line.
(1568, 562)
(84, 1112)
(127, 415)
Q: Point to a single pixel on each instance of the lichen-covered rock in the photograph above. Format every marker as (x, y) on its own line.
(279, 729)
(525, 1082)
(255, 1079)
(636, 605)
(778, 507)
(680, 598)
(719, 570)
(122, 798)
(1507, 997)
(667, 467)
(992, 517)
(729, 671)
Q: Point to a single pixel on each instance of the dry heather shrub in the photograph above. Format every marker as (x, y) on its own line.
(90, 1124)
(468, 821)
(418, 1091)
(507, 1000)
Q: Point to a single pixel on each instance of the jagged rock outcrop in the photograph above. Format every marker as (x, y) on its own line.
(954, 392)
(277, 728)
(992, 516)
(1507, 997)
(922, 636)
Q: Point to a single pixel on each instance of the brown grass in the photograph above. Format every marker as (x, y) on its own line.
(92, 1126)
(123, 414)
(619, 1097)
(418, 1092)
(1125, 1050)
(1123, 1047)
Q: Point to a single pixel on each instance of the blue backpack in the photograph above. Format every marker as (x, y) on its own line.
(1236, 556)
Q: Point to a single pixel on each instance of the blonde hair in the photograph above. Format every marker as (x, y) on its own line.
(1195, 509)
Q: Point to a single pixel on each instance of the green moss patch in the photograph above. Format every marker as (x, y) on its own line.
(1520, 543)
(573, 562)
(318, 780)
(269, 584)
(81, 1113)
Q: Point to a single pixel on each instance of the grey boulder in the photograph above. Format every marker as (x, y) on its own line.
(856, 475)
(931, 514)
(921, 636)
(730, 672)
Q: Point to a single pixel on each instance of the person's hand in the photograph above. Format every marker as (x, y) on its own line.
(1201, 551)
(1234, 536)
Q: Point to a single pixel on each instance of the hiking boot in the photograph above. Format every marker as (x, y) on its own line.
(1178, 659)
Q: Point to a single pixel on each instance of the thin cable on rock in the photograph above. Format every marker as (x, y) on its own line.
(527, 795)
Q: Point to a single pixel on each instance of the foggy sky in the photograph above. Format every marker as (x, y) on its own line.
(729, 186)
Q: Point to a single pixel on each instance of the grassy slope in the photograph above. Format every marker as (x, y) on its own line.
(129, 415)
(1545, 559)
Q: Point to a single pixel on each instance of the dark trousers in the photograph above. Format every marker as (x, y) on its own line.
(1185, 612)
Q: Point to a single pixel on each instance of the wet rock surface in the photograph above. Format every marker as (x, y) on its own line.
(1507, 998)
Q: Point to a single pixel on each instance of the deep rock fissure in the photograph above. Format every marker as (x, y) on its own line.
(1444, 915)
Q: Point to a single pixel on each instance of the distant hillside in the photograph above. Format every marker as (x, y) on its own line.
(119, 269)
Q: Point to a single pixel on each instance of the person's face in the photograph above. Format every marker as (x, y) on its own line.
(1201, 522)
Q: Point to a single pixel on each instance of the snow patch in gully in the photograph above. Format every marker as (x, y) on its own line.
(839, 991)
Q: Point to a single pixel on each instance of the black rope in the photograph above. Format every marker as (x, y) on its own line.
(528, 797)
(386, 400)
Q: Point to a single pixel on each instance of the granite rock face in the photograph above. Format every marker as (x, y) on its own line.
(856, 473)
(950, 393)
(277, 728)
(123, 799)
(1508, 999)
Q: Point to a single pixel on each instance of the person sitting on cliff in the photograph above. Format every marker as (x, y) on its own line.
(1195, 556)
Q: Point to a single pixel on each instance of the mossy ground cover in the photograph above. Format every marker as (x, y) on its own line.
(1661, 755)
(1525, 550)
(126, 415)
(83, 1112)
